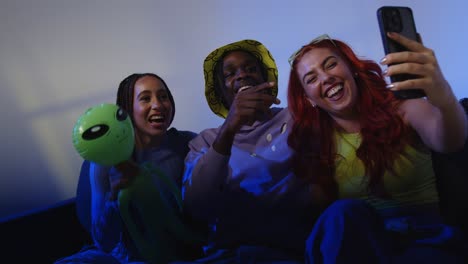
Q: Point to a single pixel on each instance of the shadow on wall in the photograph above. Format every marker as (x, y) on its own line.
(21, 159)
(37, 170)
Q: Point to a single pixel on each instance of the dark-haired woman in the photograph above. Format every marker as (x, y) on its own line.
(149, 103)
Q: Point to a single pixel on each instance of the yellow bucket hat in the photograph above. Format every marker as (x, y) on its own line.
(252, 46)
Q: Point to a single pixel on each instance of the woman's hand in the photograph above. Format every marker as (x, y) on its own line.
(440, 121)
(421, 62)
(121, 177)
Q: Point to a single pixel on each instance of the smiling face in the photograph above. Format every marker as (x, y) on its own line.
(328, 82)
(240, 69)
(152, 109)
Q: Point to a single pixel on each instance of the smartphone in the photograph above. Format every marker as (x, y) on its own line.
(398, 19)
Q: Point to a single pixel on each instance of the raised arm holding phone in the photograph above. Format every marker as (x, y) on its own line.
(373, 151)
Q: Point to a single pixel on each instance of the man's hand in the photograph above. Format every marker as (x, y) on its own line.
(249, 104)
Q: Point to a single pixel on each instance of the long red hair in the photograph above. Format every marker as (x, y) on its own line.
(384, 134)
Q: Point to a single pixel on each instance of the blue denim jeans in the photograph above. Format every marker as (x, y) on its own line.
(351, 231)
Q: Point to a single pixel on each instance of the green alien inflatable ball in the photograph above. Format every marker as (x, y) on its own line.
(104, 134)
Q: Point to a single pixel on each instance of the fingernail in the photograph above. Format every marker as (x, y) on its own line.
(383, 60)
(271, 83)
(244, 88)
(389, 86)
(385, 72)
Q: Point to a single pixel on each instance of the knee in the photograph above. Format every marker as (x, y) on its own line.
(342, 217)
(338, 221)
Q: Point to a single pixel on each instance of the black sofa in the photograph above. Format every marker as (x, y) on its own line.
(48, 234)
(44, 235)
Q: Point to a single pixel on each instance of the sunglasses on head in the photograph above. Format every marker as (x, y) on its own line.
(314, 41)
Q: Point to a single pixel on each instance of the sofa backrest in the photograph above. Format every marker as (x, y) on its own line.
(452, 182)
(83, 197)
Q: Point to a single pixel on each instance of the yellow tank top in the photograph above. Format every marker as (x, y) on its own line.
(413, 184)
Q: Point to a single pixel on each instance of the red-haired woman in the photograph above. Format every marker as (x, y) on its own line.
(369, 153)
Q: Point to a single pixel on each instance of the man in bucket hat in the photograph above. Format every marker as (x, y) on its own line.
(239, 176)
